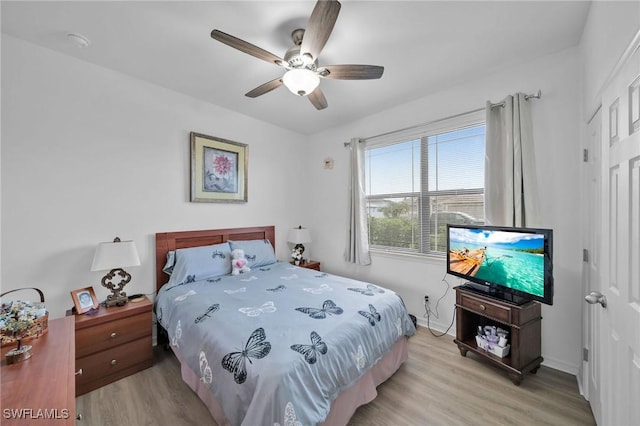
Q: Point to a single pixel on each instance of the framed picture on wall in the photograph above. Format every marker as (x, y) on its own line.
(84, 300)
(218, 170)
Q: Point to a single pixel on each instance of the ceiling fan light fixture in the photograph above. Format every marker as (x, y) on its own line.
(301, 81)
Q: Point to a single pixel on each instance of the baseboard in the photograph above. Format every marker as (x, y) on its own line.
(436, 326)
(580, 378)
(560, 365)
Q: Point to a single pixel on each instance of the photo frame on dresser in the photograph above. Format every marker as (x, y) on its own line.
(219, 170)
(84, 300)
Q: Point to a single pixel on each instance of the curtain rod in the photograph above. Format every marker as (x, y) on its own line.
(536, 95)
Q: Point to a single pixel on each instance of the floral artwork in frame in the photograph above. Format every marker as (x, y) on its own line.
(218, 170)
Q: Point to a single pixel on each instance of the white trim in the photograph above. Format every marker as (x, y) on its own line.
(409, 256)
(557, 364)
(436, 327)
(628, 52)
(467, 119)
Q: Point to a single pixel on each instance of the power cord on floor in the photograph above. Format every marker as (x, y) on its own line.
(428, 312)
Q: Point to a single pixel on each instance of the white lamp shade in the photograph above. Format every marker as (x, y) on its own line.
(115, 255)
(299, 236)
(301, 81)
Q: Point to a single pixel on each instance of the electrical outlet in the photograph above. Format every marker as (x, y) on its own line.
(426, 298)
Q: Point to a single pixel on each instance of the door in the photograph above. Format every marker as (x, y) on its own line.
(591, 268)
(618, 339)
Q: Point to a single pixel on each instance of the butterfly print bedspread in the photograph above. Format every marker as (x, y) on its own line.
(281, 339)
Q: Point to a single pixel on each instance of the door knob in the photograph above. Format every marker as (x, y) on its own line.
(596, 297)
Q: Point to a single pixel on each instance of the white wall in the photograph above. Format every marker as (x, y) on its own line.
(610, 27)
(89, 154)
(556, 135)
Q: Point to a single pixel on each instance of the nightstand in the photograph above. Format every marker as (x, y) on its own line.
(112, 344)
(311, 264)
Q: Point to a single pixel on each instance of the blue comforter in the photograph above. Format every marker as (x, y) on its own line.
(280, 342)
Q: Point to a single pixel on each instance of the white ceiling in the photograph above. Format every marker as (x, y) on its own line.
(425, 46)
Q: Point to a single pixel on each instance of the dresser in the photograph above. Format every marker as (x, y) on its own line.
(112, 344)
(41, 389)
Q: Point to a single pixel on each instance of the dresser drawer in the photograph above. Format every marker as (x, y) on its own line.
(486, 308)
(112, 361)
(109, 334)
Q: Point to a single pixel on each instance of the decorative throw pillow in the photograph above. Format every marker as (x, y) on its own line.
(257, 252)
(201, 263)
(171, 261)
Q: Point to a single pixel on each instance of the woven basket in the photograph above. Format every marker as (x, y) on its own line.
(39, 327)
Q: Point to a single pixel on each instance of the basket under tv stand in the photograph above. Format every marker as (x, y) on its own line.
(523, 321)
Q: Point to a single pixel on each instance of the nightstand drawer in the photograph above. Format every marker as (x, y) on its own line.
(108, 363)
(113, 333)
(486, 308)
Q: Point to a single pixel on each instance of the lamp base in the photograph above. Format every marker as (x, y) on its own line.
(116, 301)
(117, 297)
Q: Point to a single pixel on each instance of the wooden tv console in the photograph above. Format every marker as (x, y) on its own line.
(522, 321)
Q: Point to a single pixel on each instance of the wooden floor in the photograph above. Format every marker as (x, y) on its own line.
(436, 386)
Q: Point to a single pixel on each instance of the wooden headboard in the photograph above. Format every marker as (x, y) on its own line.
(167, 241)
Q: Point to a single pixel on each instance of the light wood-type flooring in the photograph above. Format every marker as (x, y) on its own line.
(436, 386)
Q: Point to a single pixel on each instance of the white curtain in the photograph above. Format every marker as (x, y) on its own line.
(511, 190)
(357, 250)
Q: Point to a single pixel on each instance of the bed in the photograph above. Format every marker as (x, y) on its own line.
(281, 344)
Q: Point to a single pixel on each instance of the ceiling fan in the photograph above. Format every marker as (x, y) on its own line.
(301, 61)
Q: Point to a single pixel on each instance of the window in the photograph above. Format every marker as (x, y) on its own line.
(420, 179)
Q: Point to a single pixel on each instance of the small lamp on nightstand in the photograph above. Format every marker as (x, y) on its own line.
(113, 257)
(298, 236)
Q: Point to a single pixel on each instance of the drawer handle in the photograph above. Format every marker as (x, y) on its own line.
(79, 372)
(114, 362)
(79, 417)
(482, 307)
(113, 335)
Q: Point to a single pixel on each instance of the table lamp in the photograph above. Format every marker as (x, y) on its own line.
(113, 257)
(298, 236)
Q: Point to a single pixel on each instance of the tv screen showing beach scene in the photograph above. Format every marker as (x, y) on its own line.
(512, 259)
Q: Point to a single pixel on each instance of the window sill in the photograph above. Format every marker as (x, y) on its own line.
(408, 256)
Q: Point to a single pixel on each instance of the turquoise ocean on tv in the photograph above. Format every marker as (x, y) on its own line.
(512, 265)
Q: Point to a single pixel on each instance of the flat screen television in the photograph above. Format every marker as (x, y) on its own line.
(512, 264)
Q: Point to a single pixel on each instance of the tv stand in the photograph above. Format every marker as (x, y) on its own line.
(524, 323)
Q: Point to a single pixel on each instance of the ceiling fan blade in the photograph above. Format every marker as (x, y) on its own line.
(319, 27)
(265, 88)
(351, 72)
(317, 99)
(246, 47)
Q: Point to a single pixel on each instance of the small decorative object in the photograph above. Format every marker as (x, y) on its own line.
(493, 340)
(84, 300)
(218, 170)
(238, 262)
(502, 334)
(113, 257)
(296, 255)
(21, 321)
(298, 236)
